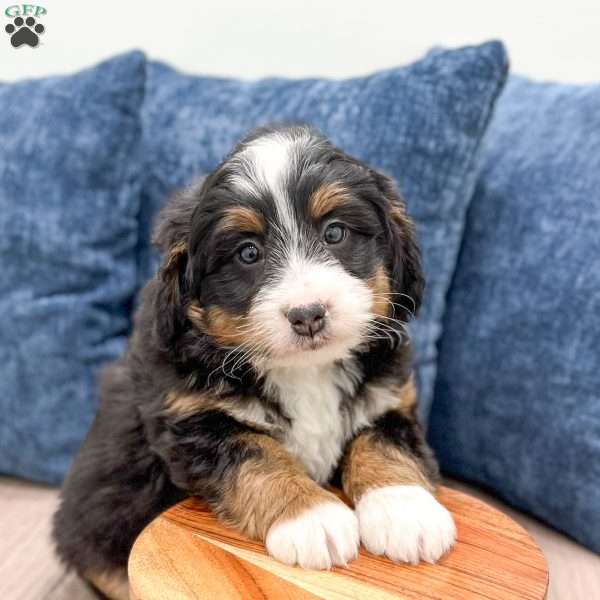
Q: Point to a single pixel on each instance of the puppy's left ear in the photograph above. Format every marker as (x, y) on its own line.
(406, 272)
(171, 238)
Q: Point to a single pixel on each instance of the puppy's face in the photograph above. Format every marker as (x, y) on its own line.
(296, 253)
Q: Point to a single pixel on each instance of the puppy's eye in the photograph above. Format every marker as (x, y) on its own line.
(334, 233)
(248, 254)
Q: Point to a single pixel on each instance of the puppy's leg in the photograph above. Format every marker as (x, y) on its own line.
(255, 485)
(390, 475)
(113, 585)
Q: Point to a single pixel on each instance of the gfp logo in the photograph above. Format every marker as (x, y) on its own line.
(24, 29)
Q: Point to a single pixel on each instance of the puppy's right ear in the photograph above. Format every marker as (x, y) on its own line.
(171, 237)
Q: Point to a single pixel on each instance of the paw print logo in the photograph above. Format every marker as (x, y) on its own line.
(24, 32)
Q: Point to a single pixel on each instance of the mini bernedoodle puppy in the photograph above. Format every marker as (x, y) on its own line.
(269, 357)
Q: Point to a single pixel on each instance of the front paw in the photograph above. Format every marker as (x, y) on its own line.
(318, 538)
(406, 523)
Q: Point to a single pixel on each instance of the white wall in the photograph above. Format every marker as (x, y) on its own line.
(251, 38)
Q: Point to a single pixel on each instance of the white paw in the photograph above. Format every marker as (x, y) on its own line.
(406, 523)
(319, 538)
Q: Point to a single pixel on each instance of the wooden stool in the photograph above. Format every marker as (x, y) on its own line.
(186, 554)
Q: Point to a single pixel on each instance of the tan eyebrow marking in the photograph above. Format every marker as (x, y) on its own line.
(242, 218)
(326, 198)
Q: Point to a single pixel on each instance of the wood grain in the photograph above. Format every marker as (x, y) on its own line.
(187, 554)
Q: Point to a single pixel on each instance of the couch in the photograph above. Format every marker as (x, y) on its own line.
(471, 78)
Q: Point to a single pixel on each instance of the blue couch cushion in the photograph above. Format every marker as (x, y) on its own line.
(69, 201)
(517, 403)
(421, 124)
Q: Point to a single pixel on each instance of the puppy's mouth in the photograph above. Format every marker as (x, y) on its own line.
(308, 344)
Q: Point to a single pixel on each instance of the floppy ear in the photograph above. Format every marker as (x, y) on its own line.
(406, 273)
(171, 237)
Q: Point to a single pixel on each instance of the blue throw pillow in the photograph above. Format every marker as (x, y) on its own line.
(69, 201)
(517, 403)
(421, 124)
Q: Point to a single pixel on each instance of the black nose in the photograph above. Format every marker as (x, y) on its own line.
(307, 320)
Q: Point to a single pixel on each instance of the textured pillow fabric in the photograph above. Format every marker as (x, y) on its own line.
(517, 403)
(421, 124)
(69, 201)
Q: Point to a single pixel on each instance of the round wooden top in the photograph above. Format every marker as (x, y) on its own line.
(186, 553)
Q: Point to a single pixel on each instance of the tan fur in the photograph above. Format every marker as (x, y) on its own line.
(327, 198)
(225, 327)
(403, 221)
(242, 218)
(269, 488)
(170, 269)
(407, 395)
(398, 214)
(248, 410)
(372, 464)
(379, 284)
(114, 585)
(195, 314)
(174, 255)
(187, 404)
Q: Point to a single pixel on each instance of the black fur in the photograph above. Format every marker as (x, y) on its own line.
(202, 449)
(405, 433)
(139, 458)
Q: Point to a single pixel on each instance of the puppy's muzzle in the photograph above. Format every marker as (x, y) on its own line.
(307, 320)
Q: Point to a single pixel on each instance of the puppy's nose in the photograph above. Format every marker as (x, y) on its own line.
(307, 320)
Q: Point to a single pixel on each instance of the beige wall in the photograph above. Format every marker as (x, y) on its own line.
(555, 40)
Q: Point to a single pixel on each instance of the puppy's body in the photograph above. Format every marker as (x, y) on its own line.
(269, 356)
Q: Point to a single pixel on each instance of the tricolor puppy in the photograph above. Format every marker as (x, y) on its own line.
(269, 356)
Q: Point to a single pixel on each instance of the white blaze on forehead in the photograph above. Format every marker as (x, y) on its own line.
(267, 164)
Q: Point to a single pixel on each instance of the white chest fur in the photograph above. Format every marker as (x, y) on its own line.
(311, 398)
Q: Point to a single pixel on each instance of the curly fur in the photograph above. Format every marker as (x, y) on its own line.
(216, 395)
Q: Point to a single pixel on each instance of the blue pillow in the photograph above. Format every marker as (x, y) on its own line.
(517, 402)
(69, 201)
(421, 124)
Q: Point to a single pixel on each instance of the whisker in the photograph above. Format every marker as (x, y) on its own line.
(385, 295)
(381, 330)
(249, 352)
(379, 327)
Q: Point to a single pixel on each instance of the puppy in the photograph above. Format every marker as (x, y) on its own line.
(269, 357)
